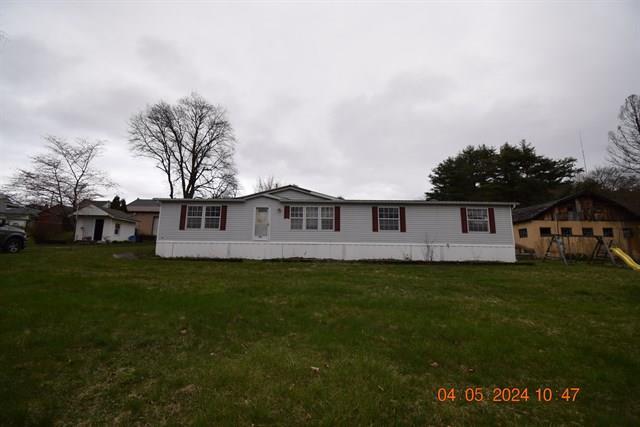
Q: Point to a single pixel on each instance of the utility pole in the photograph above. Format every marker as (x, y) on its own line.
(584, 159)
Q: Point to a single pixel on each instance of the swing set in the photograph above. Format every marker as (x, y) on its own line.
(601, 251)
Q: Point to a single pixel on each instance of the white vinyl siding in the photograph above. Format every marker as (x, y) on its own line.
(478, 220)
(86, 225)
(293, 194)
(425, 223)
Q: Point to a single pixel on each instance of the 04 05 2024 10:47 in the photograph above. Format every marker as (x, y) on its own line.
(507, 394)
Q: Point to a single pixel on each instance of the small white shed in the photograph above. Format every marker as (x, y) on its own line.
(100, 224)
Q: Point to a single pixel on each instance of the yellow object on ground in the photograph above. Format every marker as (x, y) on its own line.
(626, 258)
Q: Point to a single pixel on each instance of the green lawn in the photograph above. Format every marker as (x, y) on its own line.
(87, 338)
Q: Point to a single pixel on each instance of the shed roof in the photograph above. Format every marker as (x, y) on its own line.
(112, 213)
(119, 215)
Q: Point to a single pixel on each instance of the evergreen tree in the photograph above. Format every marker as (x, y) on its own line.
(115, 203)
(514, 173)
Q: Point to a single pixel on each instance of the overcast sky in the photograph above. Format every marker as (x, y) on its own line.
(358, 100)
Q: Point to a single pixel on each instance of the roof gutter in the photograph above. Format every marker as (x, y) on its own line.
(350, 202)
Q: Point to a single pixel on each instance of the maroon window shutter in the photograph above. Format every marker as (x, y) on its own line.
(183, 216)
(286, 212)
(374, 218)
(223, 218)
(463, 219)
(403, 220)
(492, 221)
(336, 218)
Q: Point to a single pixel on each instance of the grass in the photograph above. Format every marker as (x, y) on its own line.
(87, 338)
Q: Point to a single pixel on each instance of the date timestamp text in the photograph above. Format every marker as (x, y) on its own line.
(507, 394)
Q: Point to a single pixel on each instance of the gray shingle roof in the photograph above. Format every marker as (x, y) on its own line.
(530, 212)
(144, 202)
(116, 214)
(144, 205)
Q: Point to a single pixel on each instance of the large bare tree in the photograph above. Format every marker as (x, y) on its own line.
(192, 143)
(624, 142)
(65, 174)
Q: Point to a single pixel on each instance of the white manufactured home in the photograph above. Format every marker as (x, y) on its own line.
(292, 222)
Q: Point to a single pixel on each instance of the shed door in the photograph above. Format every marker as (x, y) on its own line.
(261, 224)
(97, 230)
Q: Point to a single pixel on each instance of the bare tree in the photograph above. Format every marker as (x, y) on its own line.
(64, 175)
(609, 179)
(624, 143)
(265, 184)
(191, 142)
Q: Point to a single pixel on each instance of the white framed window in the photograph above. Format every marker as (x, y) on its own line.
(389, 219)
(311, 218)
(326, 217)
(296, 213)
(194, 216)
(116, 231)
(199, 216)
(478, 220)
(212, 217)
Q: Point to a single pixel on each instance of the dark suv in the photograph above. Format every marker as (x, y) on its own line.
(12, 239)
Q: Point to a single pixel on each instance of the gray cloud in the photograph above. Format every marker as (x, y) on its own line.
(356, 100)
(30, 65)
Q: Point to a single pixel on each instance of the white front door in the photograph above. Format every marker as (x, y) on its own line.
(261, 224)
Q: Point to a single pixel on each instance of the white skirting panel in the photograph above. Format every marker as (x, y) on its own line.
(337, 251)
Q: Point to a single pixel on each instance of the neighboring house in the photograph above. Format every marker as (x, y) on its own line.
(15, 214)
(577, 218)
(95, 222)
(292, 222)
(146, 212)
(54, 224)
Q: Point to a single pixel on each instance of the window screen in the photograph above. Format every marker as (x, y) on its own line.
(389, 218)
(296, 214)
(478, 219)
(194, 216)
(311, 221)
(212, 217)
(327, 217)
